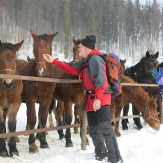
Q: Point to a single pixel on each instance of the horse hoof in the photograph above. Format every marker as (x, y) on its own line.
(15, 153)
(69, 145)
(61, 137)
(118, 134)
(4, 154)
(33, 148)
(125, 128)
(44, 146)
(76, 132)
(140, 127)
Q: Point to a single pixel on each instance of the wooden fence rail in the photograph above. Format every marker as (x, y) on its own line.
(42, 79)
(27, 132)
(19, 77)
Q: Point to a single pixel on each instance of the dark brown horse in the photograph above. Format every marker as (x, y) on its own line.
(67, 94)
(10, 95)
(140, 99)
(37, 92)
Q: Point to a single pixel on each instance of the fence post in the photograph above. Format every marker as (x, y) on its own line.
(161, 110)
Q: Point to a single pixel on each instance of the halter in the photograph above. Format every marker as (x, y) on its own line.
(7, 69)
(39, 62)
(147, 110)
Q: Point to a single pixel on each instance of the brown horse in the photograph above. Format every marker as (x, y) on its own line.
(139, 98)
(37, 92)
(10, 95)
(67, 94)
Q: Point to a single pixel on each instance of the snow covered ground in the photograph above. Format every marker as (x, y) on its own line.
(144, 146)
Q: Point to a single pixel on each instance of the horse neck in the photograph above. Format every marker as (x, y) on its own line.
(138, 97)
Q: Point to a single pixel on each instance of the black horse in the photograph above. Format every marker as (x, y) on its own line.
(142, 73)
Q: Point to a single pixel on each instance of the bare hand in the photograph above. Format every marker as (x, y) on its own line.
(96, 104)
(48, 58)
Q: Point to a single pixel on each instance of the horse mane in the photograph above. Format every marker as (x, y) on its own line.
(43, 36)
(9, 46)
(135, 89)
(151, 47)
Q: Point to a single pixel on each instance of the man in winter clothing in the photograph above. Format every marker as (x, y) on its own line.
(97, 100)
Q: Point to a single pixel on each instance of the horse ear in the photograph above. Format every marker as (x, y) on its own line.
(74, 40)
(156, 55)
(147, 54)
(51, 37)
(33, 35)
(28, 59)
(18, 45)
(123, 61)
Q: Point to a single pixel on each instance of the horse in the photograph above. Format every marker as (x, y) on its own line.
(138, 97)
(142, 73)
(37, 91)
(10, 95)
(67, 94)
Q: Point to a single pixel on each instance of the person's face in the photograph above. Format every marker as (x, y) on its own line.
(82, 50)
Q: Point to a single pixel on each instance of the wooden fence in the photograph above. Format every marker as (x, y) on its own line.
(19, 77)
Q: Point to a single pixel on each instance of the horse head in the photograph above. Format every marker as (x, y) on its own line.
(8, 61)
(151, 115)
(150, 61)
(76, 56)
(42, 45)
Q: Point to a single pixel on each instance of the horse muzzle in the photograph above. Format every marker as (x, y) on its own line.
(8, 83)
(156, 127)
(41, 72)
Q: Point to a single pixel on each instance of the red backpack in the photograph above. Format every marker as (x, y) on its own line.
(113, 72)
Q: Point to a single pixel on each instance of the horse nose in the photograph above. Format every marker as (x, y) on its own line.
(41, 72)
(8, 83)
(156, 127)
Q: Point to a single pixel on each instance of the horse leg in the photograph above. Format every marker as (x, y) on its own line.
(136, 120)
(117, 114)
(125, 121)
(51, 109)
(31, 121)
(68, 120)
(12, 113)
(77, 107)
(60, 119)
(3, 149)
(43, 114)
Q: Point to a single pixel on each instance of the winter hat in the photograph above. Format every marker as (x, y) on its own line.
(89, 41)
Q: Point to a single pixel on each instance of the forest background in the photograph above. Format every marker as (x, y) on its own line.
(121, 26)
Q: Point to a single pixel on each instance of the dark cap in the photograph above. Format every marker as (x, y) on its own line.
(89, 41)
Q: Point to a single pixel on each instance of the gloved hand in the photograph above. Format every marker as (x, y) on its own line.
(158, 75)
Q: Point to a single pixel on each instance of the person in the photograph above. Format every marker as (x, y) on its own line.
(158, 76)
(97, 100)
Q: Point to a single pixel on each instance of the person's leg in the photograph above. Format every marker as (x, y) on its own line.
(97, 137)
(109, 135)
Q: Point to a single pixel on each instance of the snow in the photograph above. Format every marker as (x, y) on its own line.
(144, 146)
(135, 146)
